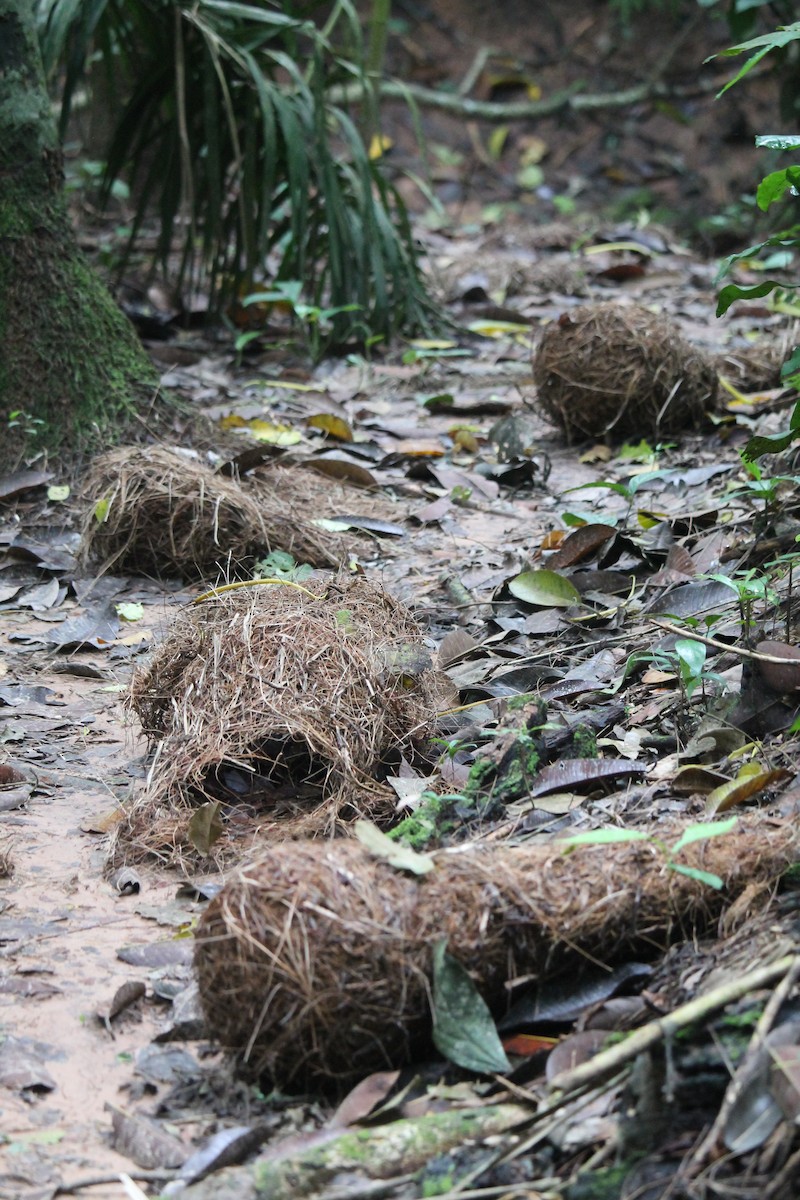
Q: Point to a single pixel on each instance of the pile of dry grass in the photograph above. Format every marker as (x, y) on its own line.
(281, 701)
(315, 962)
(164, 513)
(604, 368)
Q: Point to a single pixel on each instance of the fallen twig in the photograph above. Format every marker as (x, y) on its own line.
(666, 1027)
(90, 1181)
(739, 651)
(741, 1077)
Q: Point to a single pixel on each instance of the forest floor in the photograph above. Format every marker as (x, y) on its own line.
(106, 1072)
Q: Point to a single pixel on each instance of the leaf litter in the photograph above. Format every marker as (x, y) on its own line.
(607, 649)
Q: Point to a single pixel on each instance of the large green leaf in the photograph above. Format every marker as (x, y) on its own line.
(778, 141)
(544, 587)
(463, 1029)
(775, 185)
(728, 295)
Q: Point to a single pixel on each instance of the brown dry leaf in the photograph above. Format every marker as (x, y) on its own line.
(10, 776)
(205, 826)
(527, 1044)
(572, 772)
(693, 779)
(785, 1080)
(781, 678)
(418, 448)
(143, 1141)
(679, 559)
(433, 512)
(23, 481)
(102, 822)
(580, 544)
(342, 469)
(126, 995)
(455, 645)
(364, 1097)
(574, 1049)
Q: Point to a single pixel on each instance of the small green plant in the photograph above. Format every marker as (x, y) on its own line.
(19, 419)
(765, 489)
(432, 820)
(316, 323)
(626, 490)
(687, 661)
(702, 832)
(87, 174)
(775, 187)
(450, 747)
(752, 587)
(584, 742)
(280, 564)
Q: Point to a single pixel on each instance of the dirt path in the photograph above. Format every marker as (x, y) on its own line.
(62, 921)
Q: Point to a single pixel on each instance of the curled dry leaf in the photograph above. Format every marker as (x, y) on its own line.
(580, 544)
(779, 676)
(125, 995)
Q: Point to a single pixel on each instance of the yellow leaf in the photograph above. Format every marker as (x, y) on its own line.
(466, 441)
(133, 639)
(738, 396)
(785, 308)
(379, 145)
(263, 431)
(534, 149)
(597, 453)
(498, 329)
(433, 344)
(496, 142)
(603, 247)
(205, 827)
(287, 384)
(751, 780)
(334, 426)
(647, 518)
(232, 421)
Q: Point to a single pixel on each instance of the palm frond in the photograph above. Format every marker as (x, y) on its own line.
(225, 135)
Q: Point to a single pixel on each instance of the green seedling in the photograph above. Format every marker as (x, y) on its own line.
(19, 419)
(695, 833)
(280, 564)
(751, 588)
(316, 323)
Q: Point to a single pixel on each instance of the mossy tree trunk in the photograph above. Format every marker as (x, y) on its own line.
(71, 368)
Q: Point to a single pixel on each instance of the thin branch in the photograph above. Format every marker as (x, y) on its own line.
(743, 1072)
(569, 99)
(90, 1181)
(665, 1027)
(738, 651)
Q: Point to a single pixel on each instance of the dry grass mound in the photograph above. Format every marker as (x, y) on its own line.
(166, 514)
(280, 701)
(605, 368)
(315, 962)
